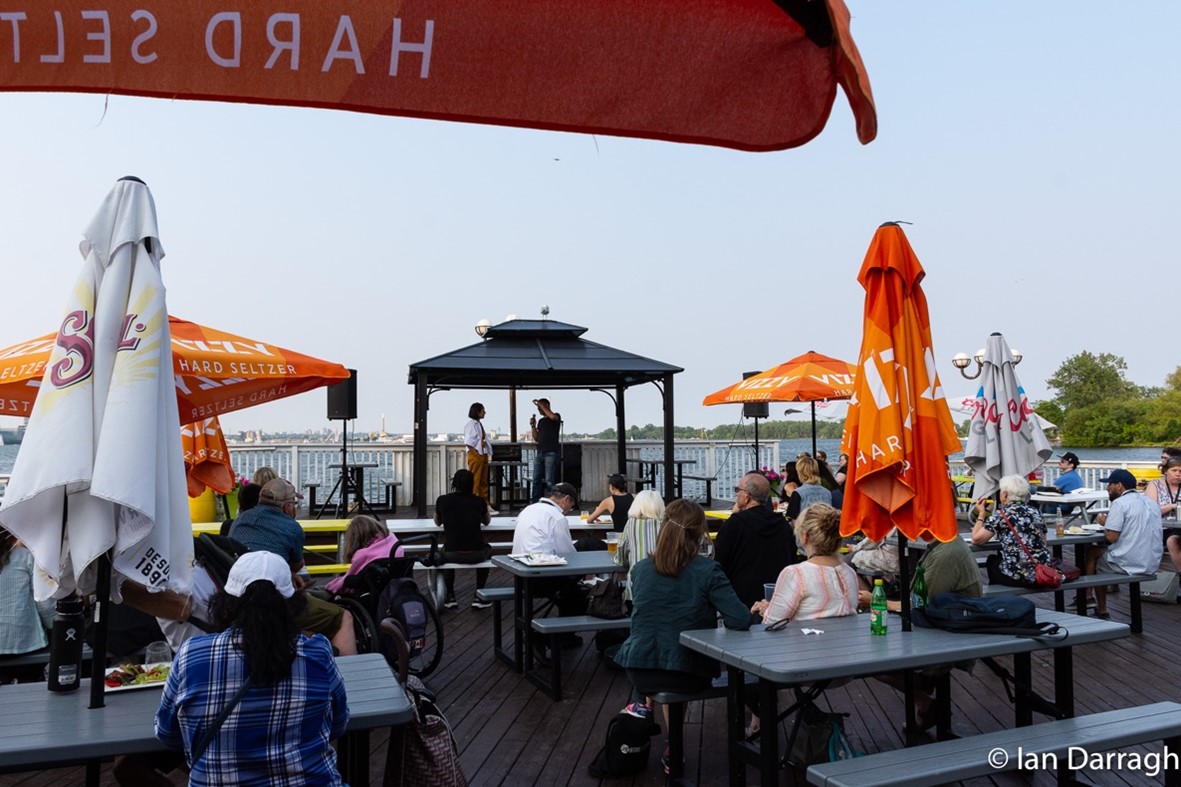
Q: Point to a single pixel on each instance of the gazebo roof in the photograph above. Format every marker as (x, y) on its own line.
(538, 353)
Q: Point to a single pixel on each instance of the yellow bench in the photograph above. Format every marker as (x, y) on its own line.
(1144, 475)
(318, 569)
(308, 525)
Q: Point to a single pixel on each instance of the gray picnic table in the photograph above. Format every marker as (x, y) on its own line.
(41, 729)
(846, 649)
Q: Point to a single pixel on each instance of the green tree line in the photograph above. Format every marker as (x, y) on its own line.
(1095, 405)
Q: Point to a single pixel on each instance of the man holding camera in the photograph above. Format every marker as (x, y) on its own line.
(546, 433)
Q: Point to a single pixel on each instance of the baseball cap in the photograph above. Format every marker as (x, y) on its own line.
(565, 489)
(278, 492)
(1123, 477)
(1071, 457)
(255, 566)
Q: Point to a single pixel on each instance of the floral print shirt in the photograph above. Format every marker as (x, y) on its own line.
(1028, 522)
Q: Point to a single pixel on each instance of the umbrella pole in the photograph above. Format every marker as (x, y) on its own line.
(813, 429)
(98, 656)
(904, 580)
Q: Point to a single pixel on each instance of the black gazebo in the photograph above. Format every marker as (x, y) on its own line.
(539, 354)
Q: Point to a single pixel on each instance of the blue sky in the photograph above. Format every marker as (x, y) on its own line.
(1032, 145)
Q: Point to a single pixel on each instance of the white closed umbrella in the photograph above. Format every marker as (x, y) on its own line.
(101, 470)
(1004, 436)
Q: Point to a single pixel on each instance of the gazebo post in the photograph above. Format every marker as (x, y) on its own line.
(621, 428)
(669, 480)
(421, 405)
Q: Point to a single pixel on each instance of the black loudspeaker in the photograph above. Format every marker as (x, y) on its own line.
(754, 409)
(572, 464)
(342, 399)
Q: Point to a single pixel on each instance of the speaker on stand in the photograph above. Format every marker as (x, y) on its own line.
(342, 406)
(755, 410)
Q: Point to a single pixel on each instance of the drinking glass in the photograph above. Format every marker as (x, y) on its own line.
(158, 652)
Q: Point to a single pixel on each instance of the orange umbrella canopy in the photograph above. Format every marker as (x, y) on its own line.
(207, 457)
(810, 377)
(216, 372)
(899, 430)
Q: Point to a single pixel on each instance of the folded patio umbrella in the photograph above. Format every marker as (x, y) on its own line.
(214, 372)
(100, 470)
(207, 458)
(747, 74)
(1004, 437)
(899, 430)
(811, 377)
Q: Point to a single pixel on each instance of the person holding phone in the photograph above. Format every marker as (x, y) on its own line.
(546, 432)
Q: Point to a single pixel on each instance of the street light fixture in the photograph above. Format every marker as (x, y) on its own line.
(482, 328)
(961, 362)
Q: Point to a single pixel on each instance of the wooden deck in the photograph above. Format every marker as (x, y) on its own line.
(510, 733)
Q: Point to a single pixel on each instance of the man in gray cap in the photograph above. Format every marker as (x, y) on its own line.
(1133, 531)
(271, 527)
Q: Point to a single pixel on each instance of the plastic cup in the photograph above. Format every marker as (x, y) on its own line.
(612, 542)
(768, 590)
(585, 515)
(158, 653)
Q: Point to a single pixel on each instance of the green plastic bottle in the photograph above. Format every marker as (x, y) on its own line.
(877, 609)
(918, 593)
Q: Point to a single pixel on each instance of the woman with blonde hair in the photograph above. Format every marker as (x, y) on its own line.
(810, 491)
(264, 474)
(823, 586)
(676, 589)
(639, 534)
(365, 540)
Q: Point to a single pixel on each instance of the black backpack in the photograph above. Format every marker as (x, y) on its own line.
(627, 747)
(993, 615)
(404, 602)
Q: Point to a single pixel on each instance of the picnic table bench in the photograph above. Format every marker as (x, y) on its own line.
(1049, 744)
(550, 628)
(1083, 582)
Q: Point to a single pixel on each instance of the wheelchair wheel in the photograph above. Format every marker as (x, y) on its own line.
(425, 656)
(364, 628)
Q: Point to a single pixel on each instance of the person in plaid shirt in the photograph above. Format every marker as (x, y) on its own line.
(280, 731)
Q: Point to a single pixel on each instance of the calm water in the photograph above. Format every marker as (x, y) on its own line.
(789, 448)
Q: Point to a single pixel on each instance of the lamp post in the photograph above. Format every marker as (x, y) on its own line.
(961, 362)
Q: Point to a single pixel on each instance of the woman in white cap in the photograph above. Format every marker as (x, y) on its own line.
(259, 702)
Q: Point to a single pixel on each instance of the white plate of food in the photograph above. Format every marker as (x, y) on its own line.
(129, 677)
(539, 559)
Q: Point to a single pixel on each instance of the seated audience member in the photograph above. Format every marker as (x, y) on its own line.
(271, 527)
(461, 513)
(640, 533)
(293, 706)
(542, 527)
(1013, 522)
(676, 589)
(823, 585)
(617, 503)
(1067, 481)
(948, 567)
(247, 499)
(842, 471)
(790, 482)
(755, 543)
(23, 621)
(870, 558)
(1166, 492)
(1133, 530)
(810, 491)
(365, 539)
(263, 475)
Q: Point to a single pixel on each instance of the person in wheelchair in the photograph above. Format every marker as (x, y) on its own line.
(365, 540)
(461, 513)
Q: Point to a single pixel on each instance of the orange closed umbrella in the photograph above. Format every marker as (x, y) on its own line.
(811, 377)
(899, 430)
(215, 372)
(207, 458)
